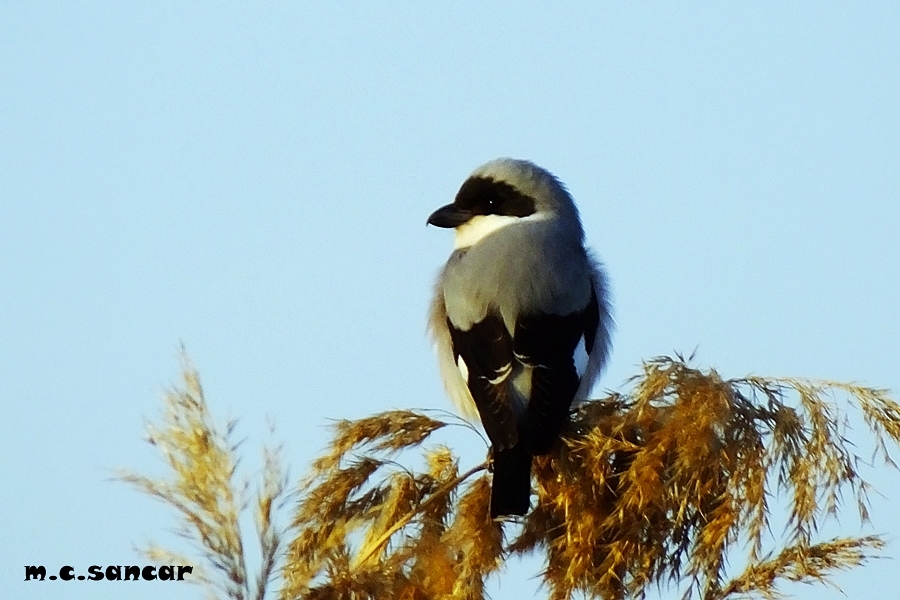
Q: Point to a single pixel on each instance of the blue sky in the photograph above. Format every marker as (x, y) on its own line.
(253, 181)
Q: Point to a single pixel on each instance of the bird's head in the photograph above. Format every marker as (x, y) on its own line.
(501, 193)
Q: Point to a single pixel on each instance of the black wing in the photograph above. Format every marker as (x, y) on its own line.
(486, 350)
(550, 344)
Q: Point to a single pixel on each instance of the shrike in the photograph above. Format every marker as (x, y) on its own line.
(520, 317)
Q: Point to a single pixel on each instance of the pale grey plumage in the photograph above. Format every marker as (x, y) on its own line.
(537, 265)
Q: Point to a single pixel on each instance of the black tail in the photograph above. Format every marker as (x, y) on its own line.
(511, 489)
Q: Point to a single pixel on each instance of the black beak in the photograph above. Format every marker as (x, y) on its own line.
(449, 216)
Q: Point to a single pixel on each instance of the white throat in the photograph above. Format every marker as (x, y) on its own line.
(480, 226)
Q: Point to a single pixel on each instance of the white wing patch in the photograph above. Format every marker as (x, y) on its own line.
(502, 374)
(463, 368)
(580, 357)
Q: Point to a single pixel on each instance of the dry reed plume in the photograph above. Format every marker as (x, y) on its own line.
(656, 486)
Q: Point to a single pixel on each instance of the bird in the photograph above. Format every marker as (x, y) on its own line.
(520, 317)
